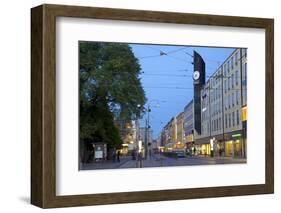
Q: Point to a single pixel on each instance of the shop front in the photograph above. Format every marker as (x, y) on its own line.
(189, 144)
(205, 149)
(202, 146)
(210, 146)
(234, 144)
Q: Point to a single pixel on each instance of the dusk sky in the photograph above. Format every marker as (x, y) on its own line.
(167, 79)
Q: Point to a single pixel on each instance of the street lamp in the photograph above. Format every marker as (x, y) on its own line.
(147, 122)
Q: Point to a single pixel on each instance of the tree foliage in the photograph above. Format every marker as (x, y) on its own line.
(110, 89)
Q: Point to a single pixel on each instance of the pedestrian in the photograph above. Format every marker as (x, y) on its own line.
(118, 156)
(222, 152)
(194, 151)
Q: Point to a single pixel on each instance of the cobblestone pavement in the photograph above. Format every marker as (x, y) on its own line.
(158, 160)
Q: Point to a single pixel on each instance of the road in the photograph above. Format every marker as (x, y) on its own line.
(158, 160)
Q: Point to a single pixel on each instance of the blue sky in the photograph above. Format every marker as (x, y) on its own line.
(167, 79)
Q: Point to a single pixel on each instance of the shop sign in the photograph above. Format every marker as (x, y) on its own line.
(244, 114)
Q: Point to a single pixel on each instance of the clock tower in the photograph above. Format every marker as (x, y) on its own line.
(199, 78)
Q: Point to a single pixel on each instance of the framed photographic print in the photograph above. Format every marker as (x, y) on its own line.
(137, 106)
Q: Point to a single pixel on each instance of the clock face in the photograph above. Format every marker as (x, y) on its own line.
(196, 75)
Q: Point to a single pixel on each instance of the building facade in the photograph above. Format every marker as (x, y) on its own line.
(188, 126)
(214, 122)
(223, 97)
(179, 129)
(146, 134)
(188, 123)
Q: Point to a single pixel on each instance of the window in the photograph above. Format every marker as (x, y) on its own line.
(219, 123)
(229, 120)
(215, 127)
(236, 58)
(245, 74)
(217, 92)
(232, 81)
(225, 121)
(228, 67)
(229, 79)
(237, 97)
(233, 99)
(231, 62)
(225, 85)
(233, 119)
(236, 77)
(237, 117)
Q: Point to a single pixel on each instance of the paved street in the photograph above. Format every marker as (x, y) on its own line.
(158, 160)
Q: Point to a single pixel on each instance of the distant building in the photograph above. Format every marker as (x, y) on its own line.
(179, 129)
(128, 130)
(156, 144)
(173, 130)
(166, 134)
(188, 123)
(142, 135)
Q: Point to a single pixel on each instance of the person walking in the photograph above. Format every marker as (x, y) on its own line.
(118, 156)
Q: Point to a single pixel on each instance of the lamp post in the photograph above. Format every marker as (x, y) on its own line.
(147, 123)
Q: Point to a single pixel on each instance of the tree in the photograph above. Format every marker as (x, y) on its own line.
(110, 89)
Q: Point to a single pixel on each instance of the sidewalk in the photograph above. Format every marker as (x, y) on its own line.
(108, 164)
(157, 160)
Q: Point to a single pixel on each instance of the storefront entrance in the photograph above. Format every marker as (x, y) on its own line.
(205, 149)
(233, 148)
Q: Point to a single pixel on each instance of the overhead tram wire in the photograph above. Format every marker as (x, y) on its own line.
(164, 53)
(165, 71)
(149, 56)
(169, 52)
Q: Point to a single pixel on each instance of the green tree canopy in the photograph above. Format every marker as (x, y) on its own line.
(110, 88)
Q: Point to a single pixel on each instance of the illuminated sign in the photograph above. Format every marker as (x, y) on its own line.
(236, 135)
(212, 143)
(244, 114)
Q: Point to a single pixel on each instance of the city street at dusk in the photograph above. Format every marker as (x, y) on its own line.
(152, 105)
